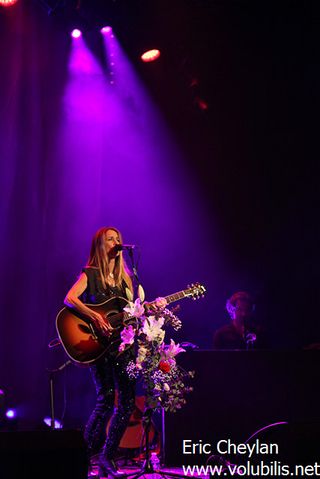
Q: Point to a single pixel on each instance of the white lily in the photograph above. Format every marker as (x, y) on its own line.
(152, 328)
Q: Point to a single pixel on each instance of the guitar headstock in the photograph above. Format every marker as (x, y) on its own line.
(195, 291)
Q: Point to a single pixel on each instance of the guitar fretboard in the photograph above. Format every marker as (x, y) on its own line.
(176, 296)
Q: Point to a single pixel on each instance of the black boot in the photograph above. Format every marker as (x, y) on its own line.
(107, 467)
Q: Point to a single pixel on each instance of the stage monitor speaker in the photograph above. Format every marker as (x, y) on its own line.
(58, 454)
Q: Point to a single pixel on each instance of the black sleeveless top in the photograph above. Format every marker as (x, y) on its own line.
(95, 293)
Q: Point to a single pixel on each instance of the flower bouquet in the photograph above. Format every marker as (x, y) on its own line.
(166, 384)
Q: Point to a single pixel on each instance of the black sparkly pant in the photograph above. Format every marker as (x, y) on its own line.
(108, 374)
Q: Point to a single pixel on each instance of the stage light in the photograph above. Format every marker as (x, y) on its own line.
(106, 30)
(11, 413)
(150, 55)
(76, 33)
(57, 424)
(7, 3)
(202, 104)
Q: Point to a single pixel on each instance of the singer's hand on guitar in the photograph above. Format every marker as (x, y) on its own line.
(158, 305)
(102, 323)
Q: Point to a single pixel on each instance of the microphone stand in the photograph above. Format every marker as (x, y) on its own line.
(52, 372)
(134, 266)
(135, 271)
(147, 467)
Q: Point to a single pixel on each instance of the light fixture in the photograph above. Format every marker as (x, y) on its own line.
(106, 29)
(11, 413)
(76, 33)
(7, 3)
(150, 55)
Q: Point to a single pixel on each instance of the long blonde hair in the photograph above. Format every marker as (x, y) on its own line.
(98, 258)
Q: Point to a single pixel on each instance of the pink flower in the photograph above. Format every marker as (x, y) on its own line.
(170, 351)
(127, 337)
(135, 309)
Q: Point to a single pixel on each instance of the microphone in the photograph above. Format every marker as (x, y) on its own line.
(121, 247)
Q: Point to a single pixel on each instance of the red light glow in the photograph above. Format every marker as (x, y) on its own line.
(150, 55)
(7, 3)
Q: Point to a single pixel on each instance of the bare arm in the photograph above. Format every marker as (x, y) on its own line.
(72, 301)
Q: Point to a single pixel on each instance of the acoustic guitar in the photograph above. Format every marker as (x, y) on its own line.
(84, 343)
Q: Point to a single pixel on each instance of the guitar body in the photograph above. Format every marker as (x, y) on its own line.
(82, 341)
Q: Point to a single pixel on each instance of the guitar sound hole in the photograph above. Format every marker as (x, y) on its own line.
(84, 328)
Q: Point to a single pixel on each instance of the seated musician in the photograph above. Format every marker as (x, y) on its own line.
(242, 332)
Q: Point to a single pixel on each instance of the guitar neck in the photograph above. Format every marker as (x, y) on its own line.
(195, 291)
(176, 296)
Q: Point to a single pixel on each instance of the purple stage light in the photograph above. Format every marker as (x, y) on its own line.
(76, 33)
(106, 30)
(11, 414)
(83, 62)
(100, 109)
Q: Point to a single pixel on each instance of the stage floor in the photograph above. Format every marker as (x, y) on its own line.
(93, 474)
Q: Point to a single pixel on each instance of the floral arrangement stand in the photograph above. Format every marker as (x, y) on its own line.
(165, 383)
(147, 465)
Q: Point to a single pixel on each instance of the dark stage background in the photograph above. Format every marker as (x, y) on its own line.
(210, 164)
